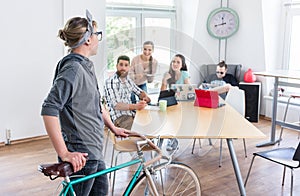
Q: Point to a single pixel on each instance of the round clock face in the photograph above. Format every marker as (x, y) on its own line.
(222, 23)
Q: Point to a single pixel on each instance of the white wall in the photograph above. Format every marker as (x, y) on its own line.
(246, 47)
(30, 49)
(256, 45)
(190, 24)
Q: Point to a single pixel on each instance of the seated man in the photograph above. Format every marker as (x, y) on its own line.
(221, 81)
(118, 89)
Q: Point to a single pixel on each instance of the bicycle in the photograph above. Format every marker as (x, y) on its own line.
(157, 176)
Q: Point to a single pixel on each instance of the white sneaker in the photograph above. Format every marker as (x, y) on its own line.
(172, 144)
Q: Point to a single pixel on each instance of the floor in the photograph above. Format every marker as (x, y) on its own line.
(19, 175)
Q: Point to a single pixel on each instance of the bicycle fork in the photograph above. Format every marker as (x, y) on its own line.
(151, 183)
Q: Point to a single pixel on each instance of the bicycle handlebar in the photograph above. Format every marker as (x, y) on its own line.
(65, 169)
(150, 143)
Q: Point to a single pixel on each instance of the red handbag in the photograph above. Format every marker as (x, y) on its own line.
(249, 76)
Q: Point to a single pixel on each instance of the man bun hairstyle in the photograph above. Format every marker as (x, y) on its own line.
(222, 64)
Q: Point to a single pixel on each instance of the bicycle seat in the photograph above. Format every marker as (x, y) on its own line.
(62, 169)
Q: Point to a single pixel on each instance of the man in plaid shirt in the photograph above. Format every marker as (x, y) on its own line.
(118, 90)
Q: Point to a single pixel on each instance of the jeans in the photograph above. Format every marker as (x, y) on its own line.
(133, 96)
(96, 186)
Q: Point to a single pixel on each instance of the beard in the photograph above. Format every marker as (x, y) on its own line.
(122, 74)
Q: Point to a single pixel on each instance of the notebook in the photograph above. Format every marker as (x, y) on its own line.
(206, 98)
(184, 92)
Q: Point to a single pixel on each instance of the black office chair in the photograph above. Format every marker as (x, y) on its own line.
(288, 157)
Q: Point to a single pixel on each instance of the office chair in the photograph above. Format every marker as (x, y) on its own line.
(119, 146)
(288, 157)
(106, 136)
(208, 69)
(285, 114)
(127, 145)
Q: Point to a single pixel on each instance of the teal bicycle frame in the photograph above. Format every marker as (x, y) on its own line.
(68, 185)
(156, 176)
(55, 170)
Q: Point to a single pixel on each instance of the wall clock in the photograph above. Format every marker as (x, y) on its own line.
(222, 23)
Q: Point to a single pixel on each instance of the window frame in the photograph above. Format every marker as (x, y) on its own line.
(292, 9)
(141, 13)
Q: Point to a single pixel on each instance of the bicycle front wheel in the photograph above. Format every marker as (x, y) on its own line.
(173, 179)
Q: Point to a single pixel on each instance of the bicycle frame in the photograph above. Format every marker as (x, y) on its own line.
(64, 169)
(68, 184)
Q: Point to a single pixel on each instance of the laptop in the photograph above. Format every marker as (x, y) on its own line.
(184, 92)
(207, 98)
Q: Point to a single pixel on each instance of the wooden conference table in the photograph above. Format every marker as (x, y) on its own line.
(187, 121)
(279, 74)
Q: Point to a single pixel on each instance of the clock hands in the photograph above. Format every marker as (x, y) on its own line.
(223, 23)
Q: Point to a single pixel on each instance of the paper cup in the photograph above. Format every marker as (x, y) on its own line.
(163, 105)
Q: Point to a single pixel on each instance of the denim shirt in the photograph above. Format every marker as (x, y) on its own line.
(75, 98)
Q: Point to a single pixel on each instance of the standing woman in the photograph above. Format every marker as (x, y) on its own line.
(177, 73)
(143, 67)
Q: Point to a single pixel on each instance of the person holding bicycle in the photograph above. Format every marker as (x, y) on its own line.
(72, 111)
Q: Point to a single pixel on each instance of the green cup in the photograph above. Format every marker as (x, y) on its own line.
(163, 105)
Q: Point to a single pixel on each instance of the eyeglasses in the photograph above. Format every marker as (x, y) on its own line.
(220, 72)
(99, 35)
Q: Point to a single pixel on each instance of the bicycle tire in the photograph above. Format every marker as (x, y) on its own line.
(177, 178)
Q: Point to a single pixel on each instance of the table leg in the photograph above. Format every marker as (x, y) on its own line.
(236, 167)
(274, 116)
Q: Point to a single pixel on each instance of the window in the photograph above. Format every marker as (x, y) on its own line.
(291, 57)
(292, 38)
(128, 25)
(142, 2)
